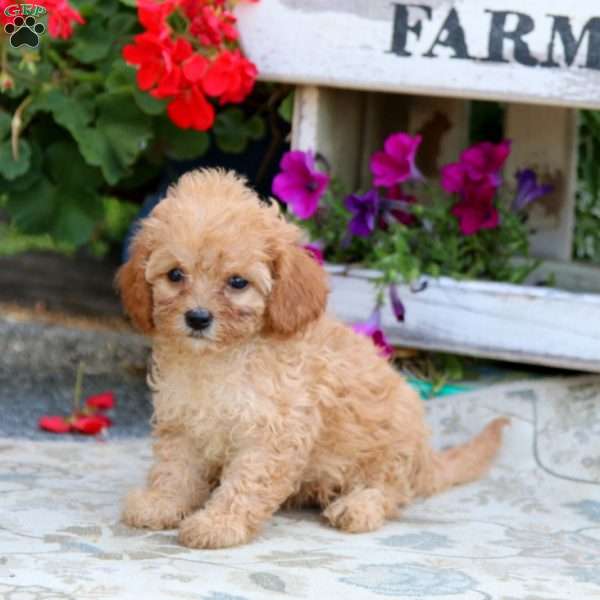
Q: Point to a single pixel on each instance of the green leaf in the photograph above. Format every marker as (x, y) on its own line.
(256, 128)
(120, 77)
(5, 121)
(92, 43)
(148, 104)
(32, 209)
(286, 108)
(118, 216)
(78, 175)
(76, 216)
(97, 8)
(127, 129)
(121, 25)
(30, 176)
(11, 168)
(96, 150)
(72, 113)
(182, 144)
(121, 134)
(231, 131)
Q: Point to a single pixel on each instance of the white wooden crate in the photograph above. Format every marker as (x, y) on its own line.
(366, 69)
(512, 322)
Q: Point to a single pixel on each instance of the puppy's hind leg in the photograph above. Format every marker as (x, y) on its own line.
(362, 509)
(177, 485)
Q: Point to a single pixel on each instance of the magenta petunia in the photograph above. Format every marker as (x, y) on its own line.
(372, 328)
(453, 178)
(300, 184)
(396, 163)
(474, 216)
(316, 251)
(485, 160)
(476, 178)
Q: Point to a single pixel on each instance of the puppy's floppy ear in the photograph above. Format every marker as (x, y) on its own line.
(299, 293)
(136, 294)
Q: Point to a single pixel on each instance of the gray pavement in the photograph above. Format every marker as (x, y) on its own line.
(38, 364)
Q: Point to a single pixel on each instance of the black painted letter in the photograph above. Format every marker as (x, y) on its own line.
(498, 34)
(401, 27)
(451, 35)
(562, 28)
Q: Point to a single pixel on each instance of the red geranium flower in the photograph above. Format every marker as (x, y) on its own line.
(174, 69)
(153, 15)
(61, 17)
(191, 110)
(230, 77)
(211, 26)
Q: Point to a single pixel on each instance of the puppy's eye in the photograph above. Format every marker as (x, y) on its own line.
(237, 282)
(175, 275)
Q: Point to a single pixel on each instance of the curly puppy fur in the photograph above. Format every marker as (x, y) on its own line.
(276, 402)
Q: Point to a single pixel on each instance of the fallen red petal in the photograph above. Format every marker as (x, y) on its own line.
(54, 424)
(104, 401)
(90, 425)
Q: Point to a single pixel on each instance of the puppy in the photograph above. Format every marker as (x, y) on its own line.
(260, 398)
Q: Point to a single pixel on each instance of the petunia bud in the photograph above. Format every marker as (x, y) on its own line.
(6, 81)
(397, 305)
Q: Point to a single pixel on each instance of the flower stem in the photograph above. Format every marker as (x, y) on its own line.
(16, 125)
(78, 387)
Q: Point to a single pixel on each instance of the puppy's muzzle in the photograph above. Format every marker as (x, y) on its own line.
(198, 319)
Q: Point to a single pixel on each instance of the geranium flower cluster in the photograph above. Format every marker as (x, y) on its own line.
(61, 15)
(475, 179)
(189, 55)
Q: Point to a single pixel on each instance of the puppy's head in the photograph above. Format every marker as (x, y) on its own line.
(214, 266)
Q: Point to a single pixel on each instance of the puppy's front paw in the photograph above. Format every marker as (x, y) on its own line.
(204, 529)
(358, 512)
(149, 509)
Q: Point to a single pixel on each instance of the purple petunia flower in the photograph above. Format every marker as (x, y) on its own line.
(300, 184)
(372, 328)
(365, 209)
(396, 164)
(528, 189)
(396, 302)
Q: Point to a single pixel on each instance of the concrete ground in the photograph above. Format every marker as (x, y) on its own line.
(38, 363)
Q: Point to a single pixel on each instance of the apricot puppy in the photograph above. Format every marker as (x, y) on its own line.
(260, 398)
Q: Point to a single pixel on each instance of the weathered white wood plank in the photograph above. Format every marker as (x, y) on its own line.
(384, 114)
(540, 51)
(508, 322)
(444, 125)
(329, 121)
(546, 140)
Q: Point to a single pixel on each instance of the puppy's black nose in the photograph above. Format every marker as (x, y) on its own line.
(198, 319)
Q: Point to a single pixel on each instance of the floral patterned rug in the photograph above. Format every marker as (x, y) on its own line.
(530, 531)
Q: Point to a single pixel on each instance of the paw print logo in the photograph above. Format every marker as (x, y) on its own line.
(24, 32)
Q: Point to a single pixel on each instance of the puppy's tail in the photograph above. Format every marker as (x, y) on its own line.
(466, 462)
